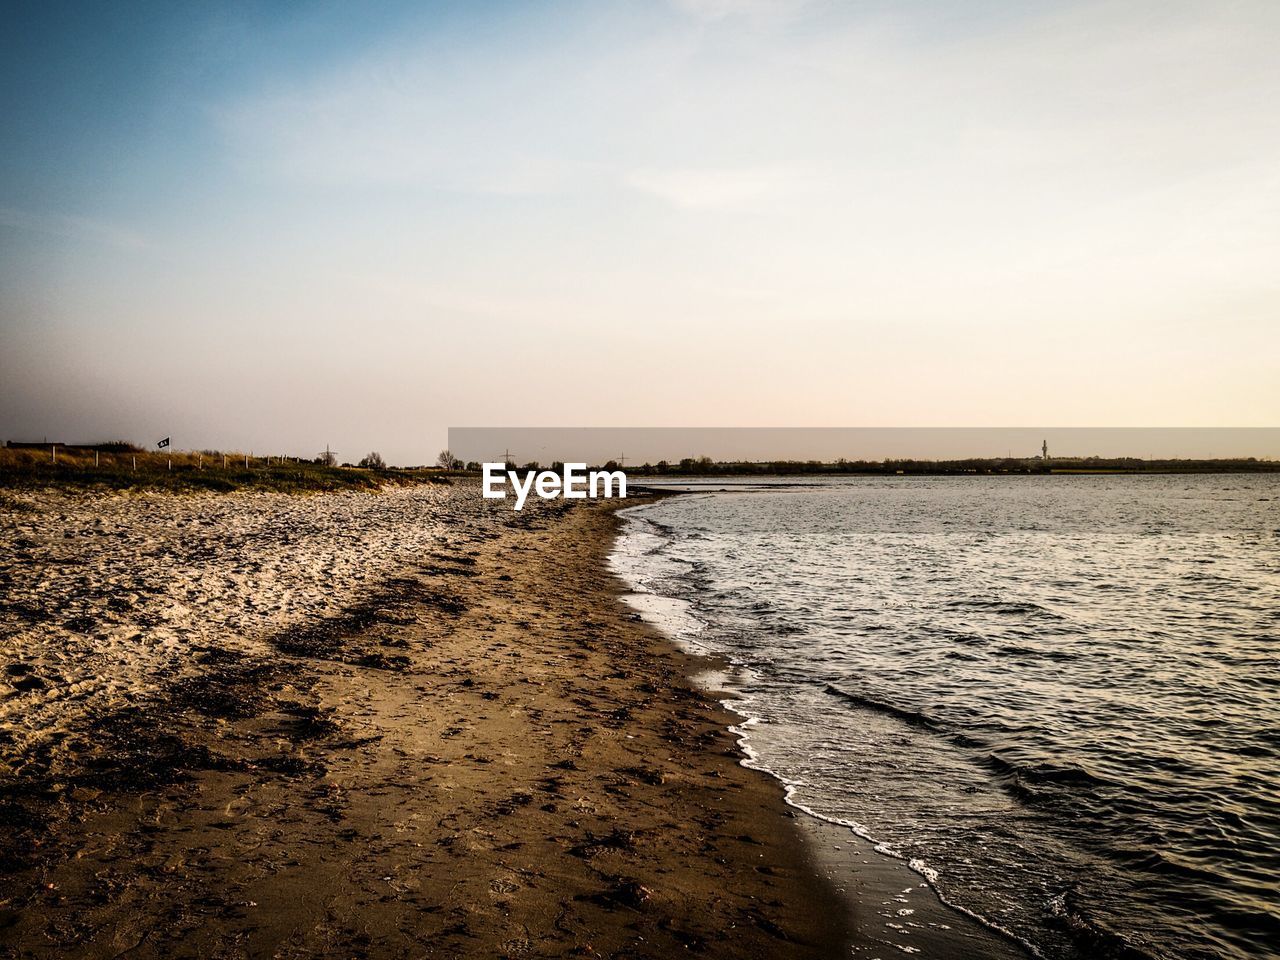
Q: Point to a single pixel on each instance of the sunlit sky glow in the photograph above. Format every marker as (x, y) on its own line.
(276, 226)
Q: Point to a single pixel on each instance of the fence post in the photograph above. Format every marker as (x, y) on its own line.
(95, 458)
(54, 450)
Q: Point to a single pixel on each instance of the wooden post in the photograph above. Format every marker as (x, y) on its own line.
(224, 461)
(54, 450)
(95, 458)
(170, 463)
(135, 463)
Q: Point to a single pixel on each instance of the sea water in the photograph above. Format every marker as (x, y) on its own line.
(1057, 698)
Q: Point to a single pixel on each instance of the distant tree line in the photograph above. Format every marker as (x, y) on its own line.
(703, 466)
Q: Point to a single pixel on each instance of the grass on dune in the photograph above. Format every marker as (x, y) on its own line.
(37, 468)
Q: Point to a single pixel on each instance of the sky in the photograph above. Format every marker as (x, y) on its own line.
(276, 226)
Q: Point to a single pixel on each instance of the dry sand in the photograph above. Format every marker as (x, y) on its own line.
(400, 724)
(103, 596)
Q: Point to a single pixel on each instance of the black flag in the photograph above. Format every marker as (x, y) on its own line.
(163, 443)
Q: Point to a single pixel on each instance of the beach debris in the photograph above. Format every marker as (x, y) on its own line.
(622, 892)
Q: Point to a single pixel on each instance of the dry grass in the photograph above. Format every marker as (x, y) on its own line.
(179, 471)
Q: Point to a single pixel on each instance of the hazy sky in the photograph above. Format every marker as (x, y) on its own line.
(276, 226)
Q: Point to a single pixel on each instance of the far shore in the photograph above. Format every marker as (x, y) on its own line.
(126, 467)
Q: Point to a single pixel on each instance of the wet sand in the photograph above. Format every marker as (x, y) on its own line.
(486, 755)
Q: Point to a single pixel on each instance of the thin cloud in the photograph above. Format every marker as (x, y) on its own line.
(73, 228)
(755, 10)
(742, 189)
(472, 121)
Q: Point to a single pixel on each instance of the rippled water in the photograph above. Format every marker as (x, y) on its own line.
(1058, 696)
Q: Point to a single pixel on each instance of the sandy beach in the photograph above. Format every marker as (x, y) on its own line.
(105, 594)
(463, 746)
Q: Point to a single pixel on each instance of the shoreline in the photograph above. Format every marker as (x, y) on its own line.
(480, 750)
(489, 756)
(888, 903)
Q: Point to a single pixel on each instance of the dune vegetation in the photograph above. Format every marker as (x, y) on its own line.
(122, 466)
